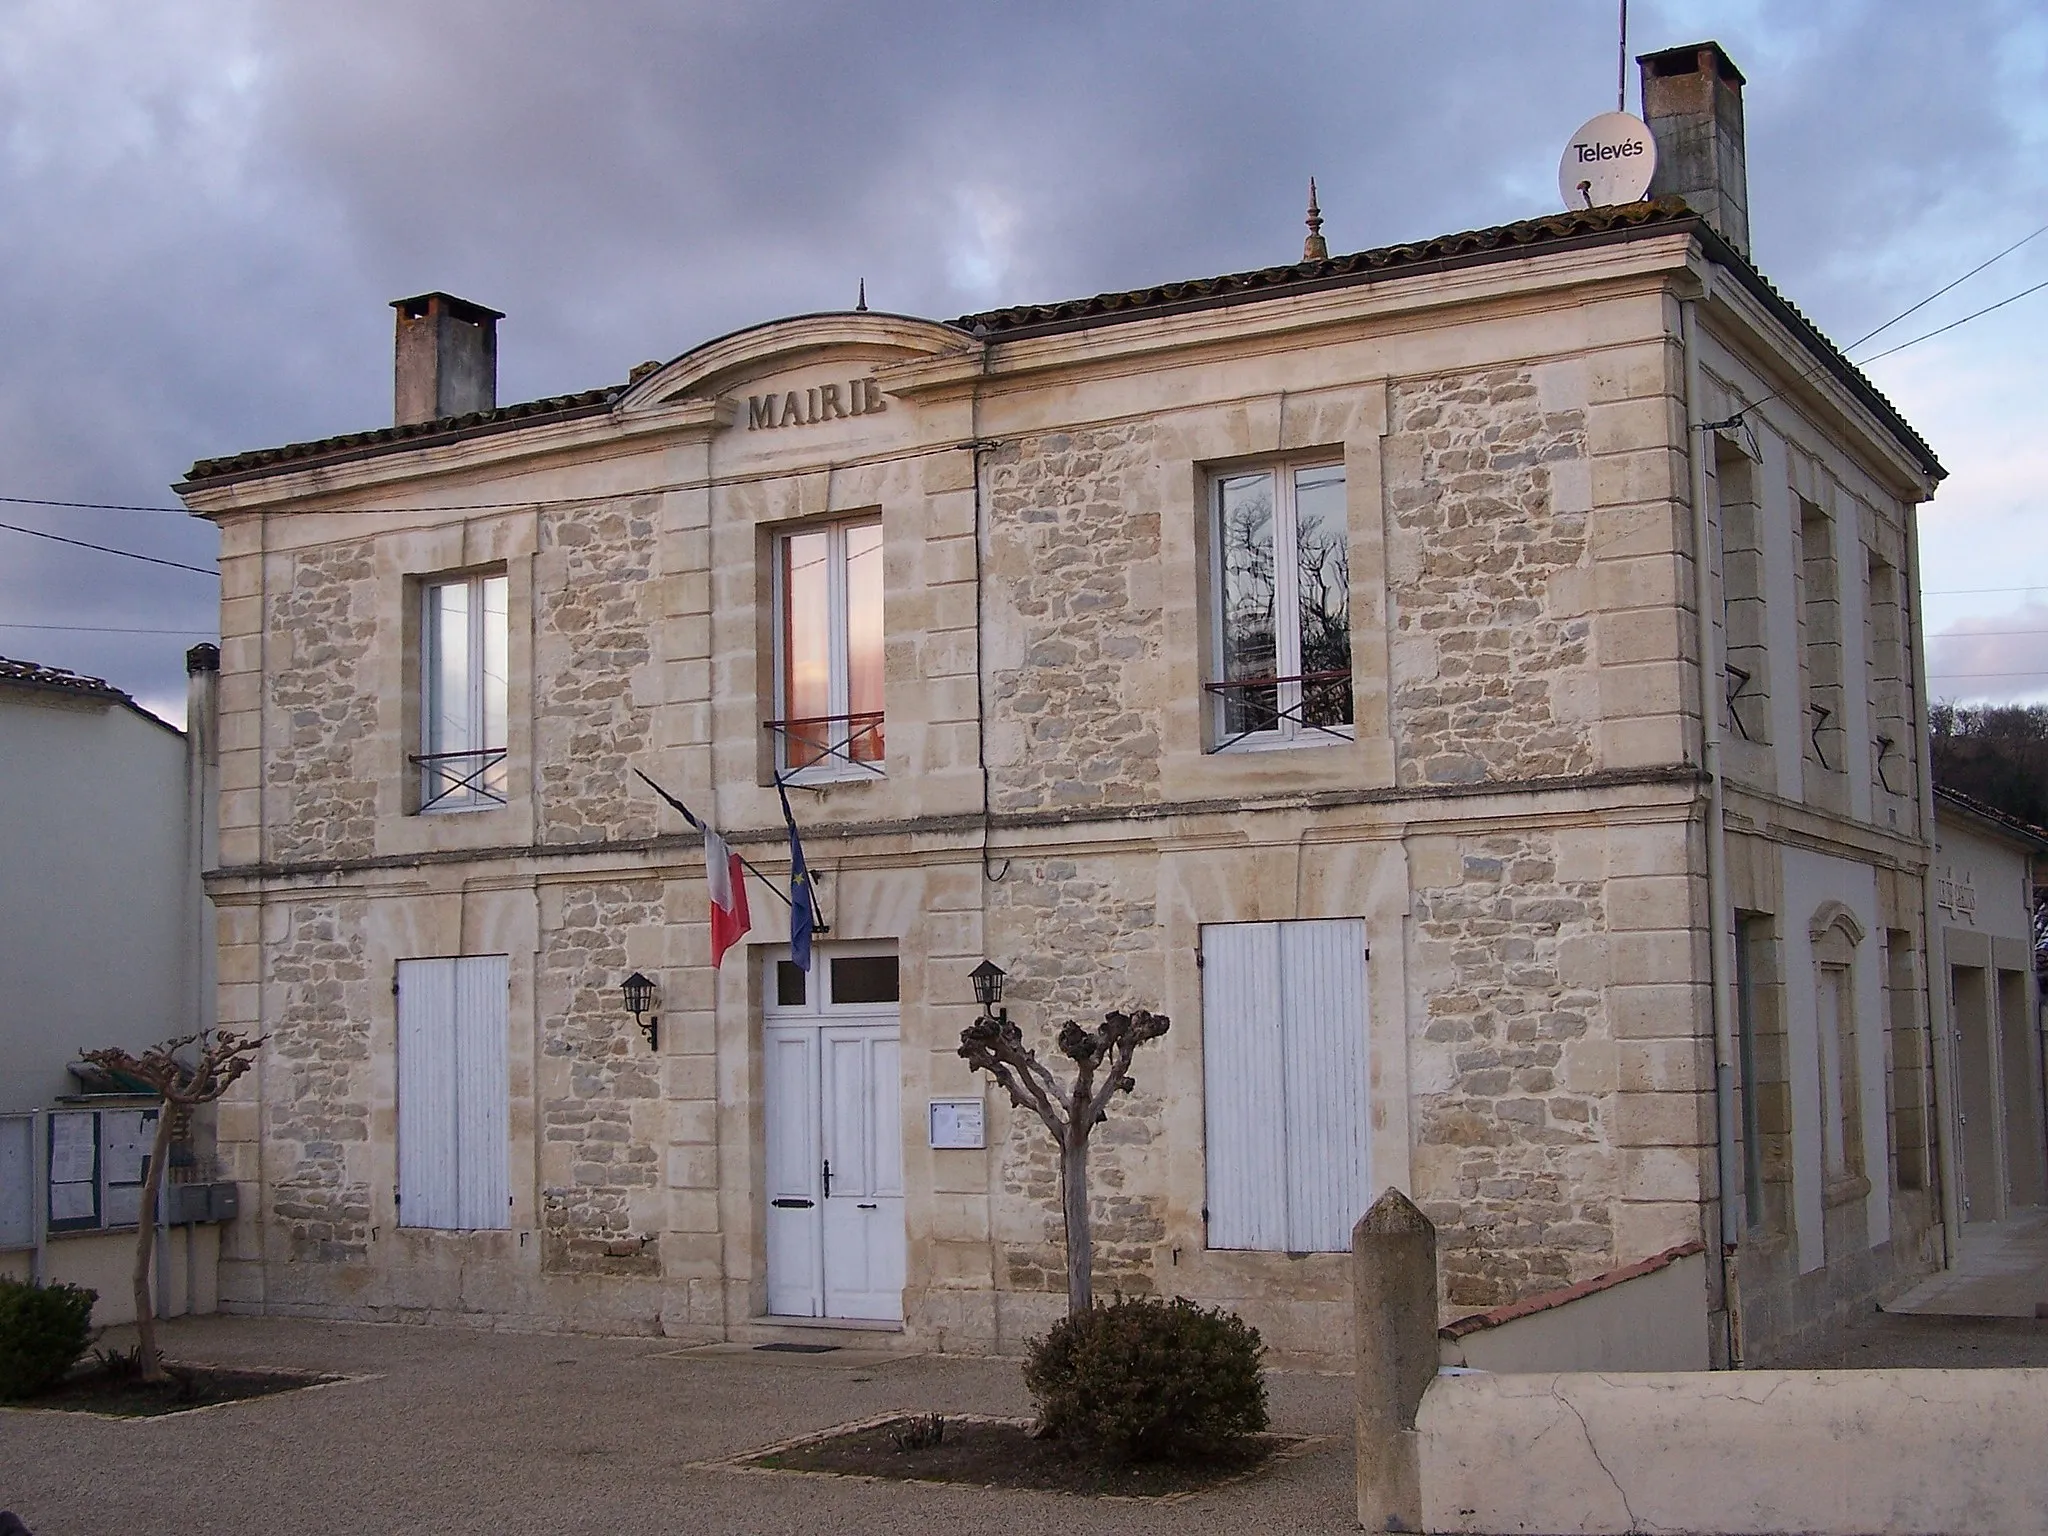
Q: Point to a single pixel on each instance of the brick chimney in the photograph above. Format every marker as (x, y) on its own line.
(1692, 100)
(447, 358)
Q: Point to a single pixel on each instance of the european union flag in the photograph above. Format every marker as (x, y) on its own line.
(803, 904)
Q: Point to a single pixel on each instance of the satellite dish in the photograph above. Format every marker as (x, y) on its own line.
(1609, 161)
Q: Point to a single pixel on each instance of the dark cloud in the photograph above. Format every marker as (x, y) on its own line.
(204, 208)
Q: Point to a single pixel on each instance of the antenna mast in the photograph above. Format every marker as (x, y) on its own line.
(1621, 65)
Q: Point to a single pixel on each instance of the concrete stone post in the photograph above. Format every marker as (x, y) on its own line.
(1393, 1263)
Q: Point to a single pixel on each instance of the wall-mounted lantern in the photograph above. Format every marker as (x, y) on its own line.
(988, 986)
(639, 999)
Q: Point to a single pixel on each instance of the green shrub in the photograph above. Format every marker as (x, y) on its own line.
(1143, 1380)
(43, 1331)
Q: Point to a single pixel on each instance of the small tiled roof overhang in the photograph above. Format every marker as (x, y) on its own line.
(1503, 242)
(34, 677)
(1989, 818)
(42, 679)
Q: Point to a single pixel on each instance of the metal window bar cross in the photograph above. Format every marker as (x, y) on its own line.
(1273, 712)
(1742, 681)
(1821, 715)
(453, 782)
(800, 733)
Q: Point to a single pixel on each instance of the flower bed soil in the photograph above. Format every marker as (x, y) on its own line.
(94, 1390)
(1001, 1453)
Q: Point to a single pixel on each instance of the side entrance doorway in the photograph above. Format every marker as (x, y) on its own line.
(833, 1118)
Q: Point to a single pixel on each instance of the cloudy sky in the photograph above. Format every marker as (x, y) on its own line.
(206, 206)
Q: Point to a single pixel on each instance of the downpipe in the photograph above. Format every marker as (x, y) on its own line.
(1720, 914)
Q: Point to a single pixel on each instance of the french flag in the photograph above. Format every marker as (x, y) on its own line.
(728, 882)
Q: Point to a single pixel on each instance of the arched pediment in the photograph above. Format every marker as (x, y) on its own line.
(1834, 917)
(725, 366)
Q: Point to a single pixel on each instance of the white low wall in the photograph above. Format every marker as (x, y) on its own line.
(1652, 1321)
(1831, 1453)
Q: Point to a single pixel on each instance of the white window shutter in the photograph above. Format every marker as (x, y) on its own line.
(1244, 1086)
(454, 1093)
(1284, 1020)
(1323, 1011)
(483, 1091)
(427, 1159)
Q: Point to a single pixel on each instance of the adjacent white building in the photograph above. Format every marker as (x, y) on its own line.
(1982, 936)
(106, 939)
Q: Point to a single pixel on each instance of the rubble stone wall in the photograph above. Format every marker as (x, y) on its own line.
(320, 799)
(1085, 937)
(599, 1088)
(592, 640)
(317, 1080)
(1484, 667)
(1075, 539)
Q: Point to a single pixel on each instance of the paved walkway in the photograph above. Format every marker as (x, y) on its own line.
(454, 1431)
(2001, 1271)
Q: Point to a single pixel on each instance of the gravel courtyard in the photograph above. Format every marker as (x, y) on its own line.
(446, 1430)
(456, 1431)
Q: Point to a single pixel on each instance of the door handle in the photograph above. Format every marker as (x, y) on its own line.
(865, 1205)
(828, 1178)
(791, 1205)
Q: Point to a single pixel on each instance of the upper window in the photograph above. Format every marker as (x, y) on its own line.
(829, 651)
(463, 667)
(1281, 578)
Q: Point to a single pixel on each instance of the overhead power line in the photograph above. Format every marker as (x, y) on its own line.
(108, 549)
(109, 629)
(1984, 634)
(1943, 330)
(1905, 313)
(85, 506)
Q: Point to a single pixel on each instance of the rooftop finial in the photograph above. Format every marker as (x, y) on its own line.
(1315, 247)
(862, 306)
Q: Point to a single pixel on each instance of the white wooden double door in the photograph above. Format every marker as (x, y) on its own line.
(833, 1117)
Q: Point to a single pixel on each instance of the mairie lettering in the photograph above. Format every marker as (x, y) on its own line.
(821, 402)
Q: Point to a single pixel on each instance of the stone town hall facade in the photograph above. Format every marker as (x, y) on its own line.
(1312, 655)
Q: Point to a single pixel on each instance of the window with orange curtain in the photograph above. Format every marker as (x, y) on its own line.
(829, 635)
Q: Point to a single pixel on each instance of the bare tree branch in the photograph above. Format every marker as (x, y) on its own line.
(184, 1072)
(994, 1045)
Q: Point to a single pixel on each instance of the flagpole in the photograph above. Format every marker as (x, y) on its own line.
(748, 864)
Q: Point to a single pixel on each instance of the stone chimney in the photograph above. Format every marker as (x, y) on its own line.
(1692, 100)
(447, 361)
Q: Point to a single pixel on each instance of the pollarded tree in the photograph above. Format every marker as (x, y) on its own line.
(185, 1072)
(1102, 1062)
